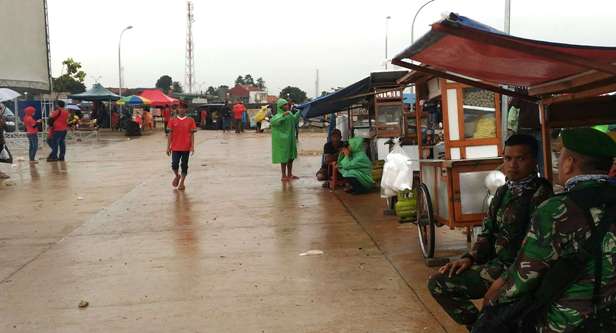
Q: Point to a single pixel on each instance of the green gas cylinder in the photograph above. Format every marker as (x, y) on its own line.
(406, 207)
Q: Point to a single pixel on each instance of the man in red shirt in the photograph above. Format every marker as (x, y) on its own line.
(180, 144)
(166, 116)
(32, 132)
(60, 126)
(238, 112)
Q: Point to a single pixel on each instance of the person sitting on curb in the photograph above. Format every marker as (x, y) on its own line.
(331, 152)
(355, 167)
(468, 278)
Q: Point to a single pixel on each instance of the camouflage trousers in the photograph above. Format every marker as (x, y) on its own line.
(455, 294)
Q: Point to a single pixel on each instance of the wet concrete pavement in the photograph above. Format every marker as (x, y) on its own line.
(106, 227)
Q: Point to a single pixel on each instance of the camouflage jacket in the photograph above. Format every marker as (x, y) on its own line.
(506, 224)
(560, 228)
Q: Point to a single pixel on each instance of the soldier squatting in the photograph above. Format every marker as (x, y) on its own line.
(535, 262)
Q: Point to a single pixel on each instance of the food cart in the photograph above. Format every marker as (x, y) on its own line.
(373, 106)
(459, 142)
(463, 54)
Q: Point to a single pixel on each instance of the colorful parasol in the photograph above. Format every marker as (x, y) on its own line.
(133, 100)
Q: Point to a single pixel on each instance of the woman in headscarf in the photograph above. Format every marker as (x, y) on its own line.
(284, 140)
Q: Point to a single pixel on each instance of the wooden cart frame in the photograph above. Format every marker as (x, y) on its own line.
(568, 82)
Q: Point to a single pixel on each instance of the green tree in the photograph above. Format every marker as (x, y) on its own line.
(261, 83)
(239, 80)
(72, 80)
(164, 83)
(249, 80)
(221, 92)
(210, 91)
(177, 87)
(293, 93)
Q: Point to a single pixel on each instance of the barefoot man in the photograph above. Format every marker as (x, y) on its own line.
(180, 144)
(284, 140)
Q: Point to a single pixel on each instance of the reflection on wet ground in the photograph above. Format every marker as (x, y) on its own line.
(106, 227)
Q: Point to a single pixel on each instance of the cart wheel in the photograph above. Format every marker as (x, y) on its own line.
(425, 222)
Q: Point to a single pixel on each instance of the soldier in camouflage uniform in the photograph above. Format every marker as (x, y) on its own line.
(560, 227)
(504, 227)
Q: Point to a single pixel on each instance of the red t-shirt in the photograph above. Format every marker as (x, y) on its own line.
(181, 133)
(30, 123)
(166, 114)
(238, 109)
(60, 122)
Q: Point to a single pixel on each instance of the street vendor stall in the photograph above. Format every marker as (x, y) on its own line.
(133, 116)
(374, 108)
(209, 115)
(459, 139)
(566, 81)
(98, 94)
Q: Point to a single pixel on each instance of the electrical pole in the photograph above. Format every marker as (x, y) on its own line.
(316, 85)
(189, 75)
(386, 36)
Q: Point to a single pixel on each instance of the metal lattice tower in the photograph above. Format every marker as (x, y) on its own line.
(189, 71)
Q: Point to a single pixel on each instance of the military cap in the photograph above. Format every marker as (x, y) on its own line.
(589, 142)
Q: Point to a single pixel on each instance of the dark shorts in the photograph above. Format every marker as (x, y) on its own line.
(180, 158)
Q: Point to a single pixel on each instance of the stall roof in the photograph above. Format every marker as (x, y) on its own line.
(96, 93)
(158, 98)
(467, 51)
(348, 96)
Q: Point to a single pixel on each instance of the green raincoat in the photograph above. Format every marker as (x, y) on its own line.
(357, 164)
(284, 141)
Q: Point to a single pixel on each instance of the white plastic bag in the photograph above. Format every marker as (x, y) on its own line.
(265, 124)
(5, 155)
(397, 172)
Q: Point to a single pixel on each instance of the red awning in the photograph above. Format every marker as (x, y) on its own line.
(468, 49)
(158, 98)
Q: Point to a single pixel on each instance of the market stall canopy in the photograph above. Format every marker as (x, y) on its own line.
(460, 49)
(133, 100)
(348, 96)
(158, 98)
(97, 93)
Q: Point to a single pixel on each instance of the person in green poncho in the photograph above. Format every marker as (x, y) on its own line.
(355, 167)
(284, 140)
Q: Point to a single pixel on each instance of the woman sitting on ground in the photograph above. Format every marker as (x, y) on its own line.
(355, 167)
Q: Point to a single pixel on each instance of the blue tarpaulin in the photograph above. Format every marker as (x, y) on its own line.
(346, 97)
(335, 102)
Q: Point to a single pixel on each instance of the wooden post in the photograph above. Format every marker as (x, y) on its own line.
(418, 113)
(545, 142)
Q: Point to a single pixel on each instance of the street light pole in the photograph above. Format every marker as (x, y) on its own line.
(120, 59)
(386, 35)
(414, 18)
(507, 17)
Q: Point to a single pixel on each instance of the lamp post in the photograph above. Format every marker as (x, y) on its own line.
(414, 18)
(507, 16)
(386, 35)
(120, 59)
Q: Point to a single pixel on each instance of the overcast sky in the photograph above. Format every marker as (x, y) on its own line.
(286, 41)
